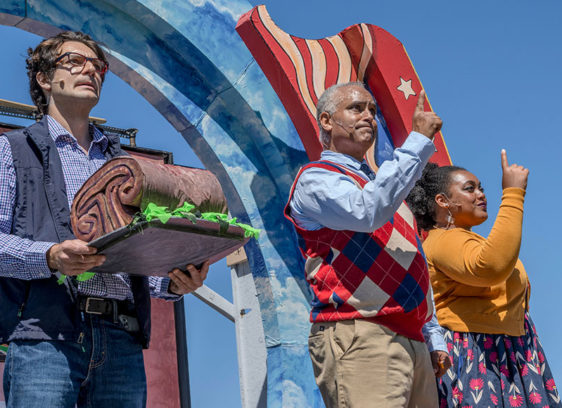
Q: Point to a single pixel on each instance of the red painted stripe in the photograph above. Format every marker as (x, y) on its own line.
(332, 63)
(307, 60)
(354, 41)
(280, 72)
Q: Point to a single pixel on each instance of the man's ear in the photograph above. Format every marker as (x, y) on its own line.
(44, 81)
(441, 200)
(326, 121)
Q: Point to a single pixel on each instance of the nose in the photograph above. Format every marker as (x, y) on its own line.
(367, 114)
(480, 194)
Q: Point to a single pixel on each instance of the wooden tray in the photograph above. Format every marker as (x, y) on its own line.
(153, 248)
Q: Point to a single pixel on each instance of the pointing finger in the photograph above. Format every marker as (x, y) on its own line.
(504, 159)
(421, 100)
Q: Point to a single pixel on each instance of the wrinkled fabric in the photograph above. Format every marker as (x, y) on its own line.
(496, 370)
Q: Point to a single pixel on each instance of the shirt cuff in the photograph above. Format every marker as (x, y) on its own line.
(433, 335)
(36, 259)
(161, 286)
(514, 192)
(419, 144)
(436, 342)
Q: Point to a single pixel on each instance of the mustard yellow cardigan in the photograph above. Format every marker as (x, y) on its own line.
(479, 284)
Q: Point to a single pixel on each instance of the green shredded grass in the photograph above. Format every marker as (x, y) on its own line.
(153, 211)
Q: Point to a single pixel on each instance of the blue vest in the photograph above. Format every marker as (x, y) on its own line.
(42, 309)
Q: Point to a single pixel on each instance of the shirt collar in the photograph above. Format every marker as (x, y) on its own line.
(344, 159)
(57, 131)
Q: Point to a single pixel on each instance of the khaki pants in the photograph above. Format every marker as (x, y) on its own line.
(360, 364)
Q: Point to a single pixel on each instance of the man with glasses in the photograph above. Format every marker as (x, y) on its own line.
(62, 350)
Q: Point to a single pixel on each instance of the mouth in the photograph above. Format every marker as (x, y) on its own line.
(483, 206)
(369, 127)
(87, 85)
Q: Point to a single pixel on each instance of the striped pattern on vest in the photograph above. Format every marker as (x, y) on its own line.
(381, 276)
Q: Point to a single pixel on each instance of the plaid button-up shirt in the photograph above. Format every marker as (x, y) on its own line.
(26, 259)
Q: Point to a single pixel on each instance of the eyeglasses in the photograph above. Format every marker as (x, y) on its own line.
(78, 61)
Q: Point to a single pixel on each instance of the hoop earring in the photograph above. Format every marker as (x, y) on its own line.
(450, 219)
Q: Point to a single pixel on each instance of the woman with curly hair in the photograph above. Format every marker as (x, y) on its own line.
(481, 290)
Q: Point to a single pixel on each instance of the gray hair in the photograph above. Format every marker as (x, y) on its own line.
(327, 103)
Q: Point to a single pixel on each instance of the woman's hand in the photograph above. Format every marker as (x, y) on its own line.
(513, 174)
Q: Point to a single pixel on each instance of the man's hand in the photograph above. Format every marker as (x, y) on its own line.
(513, 175)
(440, 361)
(426, 123)
(182, 282)
(73, 257)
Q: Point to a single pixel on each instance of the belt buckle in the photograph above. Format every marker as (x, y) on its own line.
(91, 307)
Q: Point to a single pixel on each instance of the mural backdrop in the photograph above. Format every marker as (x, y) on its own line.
(242, 93)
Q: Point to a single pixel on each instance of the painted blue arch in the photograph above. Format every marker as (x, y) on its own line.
(187, 60)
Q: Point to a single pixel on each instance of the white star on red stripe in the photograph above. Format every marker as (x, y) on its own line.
(406, 88)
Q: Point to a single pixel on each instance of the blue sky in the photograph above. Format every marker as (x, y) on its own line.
(491, 72)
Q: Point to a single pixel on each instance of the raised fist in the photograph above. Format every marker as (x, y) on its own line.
(426, 123)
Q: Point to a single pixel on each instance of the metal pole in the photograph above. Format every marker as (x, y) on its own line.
(181, 351)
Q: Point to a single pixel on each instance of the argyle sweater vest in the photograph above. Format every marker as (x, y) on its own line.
(380, 276)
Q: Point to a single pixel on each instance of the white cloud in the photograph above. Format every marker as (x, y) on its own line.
(293, 395)
(233, 8)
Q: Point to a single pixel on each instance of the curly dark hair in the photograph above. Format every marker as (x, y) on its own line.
(42, 59)
(421, 200)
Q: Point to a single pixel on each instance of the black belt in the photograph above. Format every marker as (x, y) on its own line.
(118, 311)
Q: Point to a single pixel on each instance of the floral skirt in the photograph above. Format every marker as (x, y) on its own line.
(496, 370)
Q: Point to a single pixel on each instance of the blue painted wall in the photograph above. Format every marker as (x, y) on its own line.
(187, 60)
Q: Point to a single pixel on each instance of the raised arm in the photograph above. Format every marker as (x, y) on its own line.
(333, 200)
(472, 261)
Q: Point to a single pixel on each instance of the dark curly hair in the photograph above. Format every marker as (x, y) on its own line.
(421, 200)
(42, 59)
